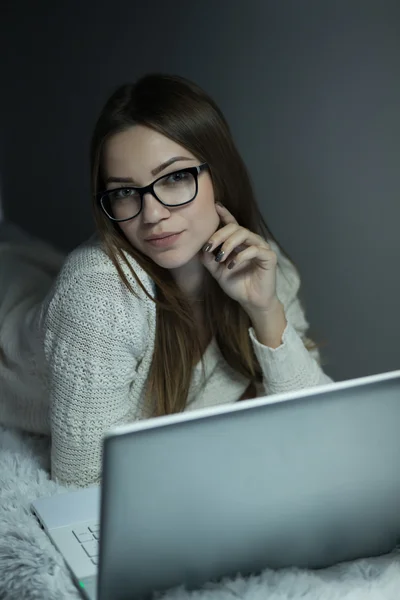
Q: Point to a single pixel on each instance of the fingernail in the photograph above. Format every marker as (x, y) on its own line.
(220, 256)
(231, 264)
(207, 247)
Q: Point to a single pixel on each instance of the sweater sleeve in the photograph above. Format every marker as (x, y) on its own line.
(92, 340)
(290, 367)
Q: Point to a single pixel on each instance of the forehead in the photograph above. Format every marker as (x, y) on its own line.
(137, 150)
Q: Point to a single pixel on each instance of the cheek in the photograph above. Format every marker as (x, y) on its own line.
(207, 226)
(129, 229)
(205, 218)
(205, 207)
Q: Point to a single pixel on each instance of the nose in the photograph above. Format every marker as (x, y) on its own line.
(153, 210)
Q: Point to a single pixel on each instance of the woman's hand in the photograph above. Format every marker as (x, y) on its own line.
(245, 266)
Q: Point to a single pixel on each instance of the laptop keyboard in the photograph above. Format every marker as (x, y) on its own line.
(88, 537)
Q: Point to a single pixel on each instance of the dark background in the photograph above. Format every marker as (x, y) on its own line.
(312, 92)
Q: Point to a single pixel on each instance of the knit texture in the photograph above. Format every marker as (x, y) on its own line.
(76, 349)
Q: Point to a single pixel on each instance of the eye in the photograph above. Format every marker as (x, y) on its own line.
(178, 177)
(122, 193)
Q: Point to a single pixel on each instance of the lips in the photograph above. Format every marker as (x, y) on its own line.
(162, 236)
(164, 242)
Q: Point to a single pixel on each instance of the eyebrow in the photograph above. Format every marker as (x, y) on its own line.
(154, 171)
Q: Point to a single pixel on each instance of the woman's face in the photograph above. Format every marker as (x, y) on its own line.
(138, 156)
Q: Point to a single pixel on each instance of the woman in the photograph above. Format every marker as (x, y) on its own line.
(183, 299)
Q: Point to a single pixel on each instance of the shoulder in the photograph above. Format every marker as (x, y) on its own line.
(287, 276)
(89, 267)
(90, 292)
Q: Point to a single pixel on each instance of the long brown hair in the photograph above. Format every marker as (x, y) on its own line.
(183, 112)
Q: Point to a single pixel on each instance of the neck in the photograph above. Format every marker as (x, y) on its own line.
(189, 279)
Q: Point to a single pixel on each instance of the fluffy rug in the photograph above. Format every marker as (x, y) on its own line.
(31, 568)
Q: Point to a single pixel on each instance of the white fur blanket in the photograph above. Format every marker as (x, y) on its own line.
(32, 569)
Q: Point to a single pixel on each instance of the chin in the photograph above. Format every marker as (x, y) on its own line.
(172, 262)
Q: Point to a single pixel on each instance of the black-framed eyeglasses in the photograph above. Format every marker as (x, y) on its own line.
(174, 189)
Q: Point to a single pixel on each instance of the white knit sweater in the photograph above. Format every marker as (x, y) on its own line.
(76, 349)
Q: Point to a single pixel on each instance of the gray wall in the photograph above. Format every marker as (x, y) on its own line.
(312, 92)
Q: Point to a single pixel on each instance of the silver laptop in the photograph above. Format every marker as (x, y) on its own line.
(309, 479)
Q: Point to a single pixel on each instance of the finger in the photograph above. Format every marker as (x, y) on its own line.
(266, 258)
(208, 260)
(231, 237)
(237, 242)
(225, 216)
(221, 236)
